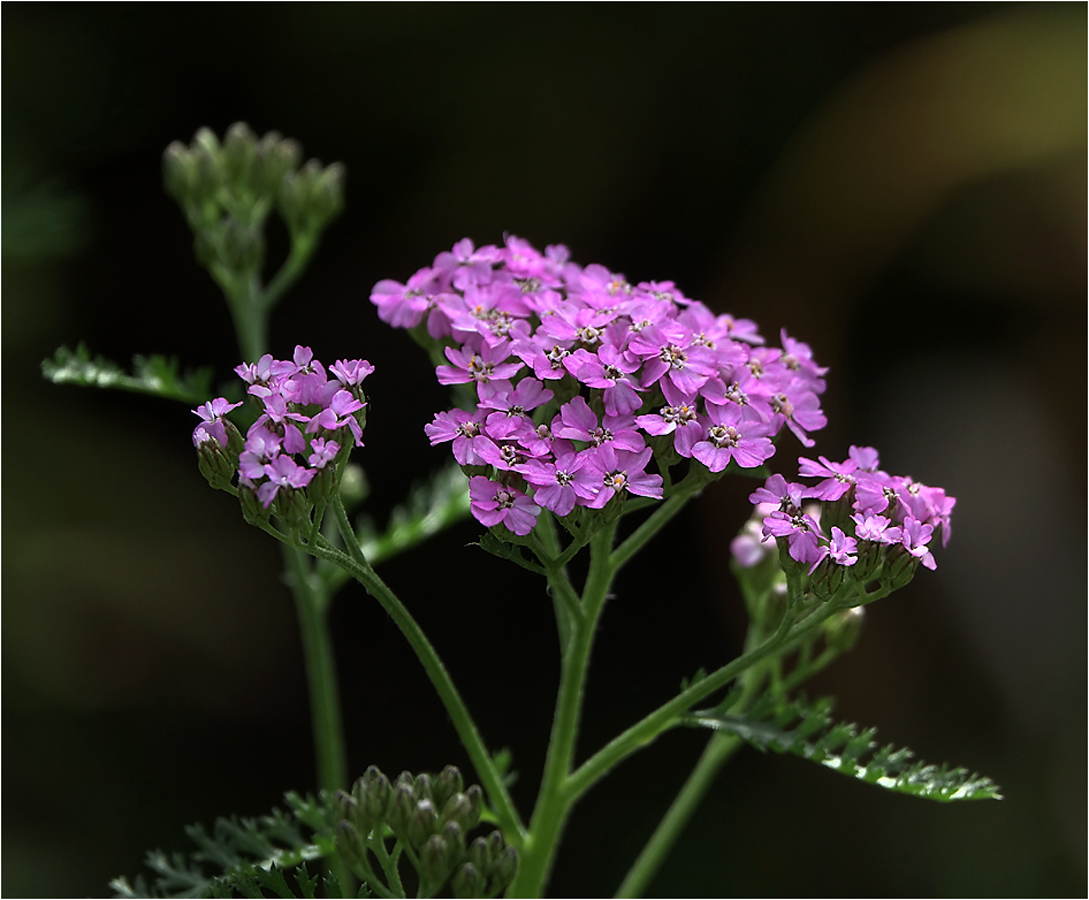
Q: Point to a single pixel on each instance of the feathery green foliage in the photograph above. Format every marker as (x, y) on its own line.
(155, 375)
(250, 856)
(808, 731)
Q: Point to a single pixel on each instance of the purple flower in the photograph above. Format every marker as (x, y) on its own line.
(480, 364)
(622, 470)
(324, 452)
(802, 533)
(735, 433)
(351, 372)
(842, 548)
(465, 265)
(282, 472)
(460, 427)
(838, 477)
(403, 305)
(875, 528)
(494, 504)
(212, 413)
(607, 369)
(577, 421)
(339, 414)
(916, 535)
(800, 409)
(560, 485)
(777, 490)
(511, 404)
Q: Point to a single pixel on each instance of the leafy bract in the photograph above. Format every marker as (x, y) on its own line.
(808, 731)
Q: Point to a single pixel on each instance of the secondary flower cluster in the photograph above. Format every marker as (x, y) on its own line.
(575, 369)
(866, 515)
(306, 418)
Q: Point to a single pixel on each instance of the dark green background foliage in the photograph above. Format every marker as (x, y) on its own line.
(903, 186)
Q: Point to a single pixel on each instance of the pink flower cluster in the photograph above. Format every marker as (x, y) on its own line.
(869, 511)
(305, 415)
(605, 364)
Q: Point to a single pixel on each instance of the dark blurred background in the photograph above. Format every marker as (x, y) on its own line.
(901, 185)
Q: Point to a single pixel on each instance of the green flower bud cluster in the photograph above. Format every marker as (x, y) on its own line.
(228, 188)
(430, 818)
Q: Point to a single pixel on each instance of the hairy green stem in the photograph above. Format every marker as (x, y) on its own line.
(653, 524)
(356, 563)
(719, 749)
(554, 801)
(321, 672)
(668, 714)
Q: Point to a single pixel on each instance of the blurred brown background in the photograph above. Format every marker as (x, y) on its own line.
(901, 185)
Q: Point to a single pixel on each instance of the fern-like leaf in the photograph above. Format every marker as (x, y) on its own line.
(251, 857)
(808, 731)
(157, 375)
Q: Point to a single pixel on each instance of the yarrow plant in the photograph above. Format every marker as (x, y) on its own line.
(580, 399)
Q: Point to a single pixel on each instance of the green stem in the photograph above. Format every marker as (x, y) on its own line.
(389, 866)
(554, 801)
(302, 248)
(668, 715)
(719, 749)
(653, 524)
(246, 303)
(356, 563)
(311, 604)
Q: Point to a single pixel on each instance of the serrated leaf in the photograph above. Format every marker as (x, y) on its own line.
(156, 375)
(305, 882)
(251, 855)
(807, 730)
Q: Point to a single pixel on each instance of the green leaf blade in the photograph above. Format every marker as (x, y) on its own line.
(843, 748)
(156, 375)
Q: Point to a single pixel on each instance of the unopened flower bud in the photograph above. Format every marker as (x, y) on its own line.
(351, 848)
(179, 172)
(434, 862)
(346, 805)
(239, 152)
(274, 158)
(463, 808)
(372, 792)
(455, 841)
(253, 511)
(402, 805)
(422, 786)
(217, 464)
(296, 192)
(423, 823)
(495, 843)
(869, 559)
(468, 881)
(327, 194)
(480, 855)
(447, 783)
(505, 868)
(827, 578)
(293, 507)
(899, 569)
(209, 166)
